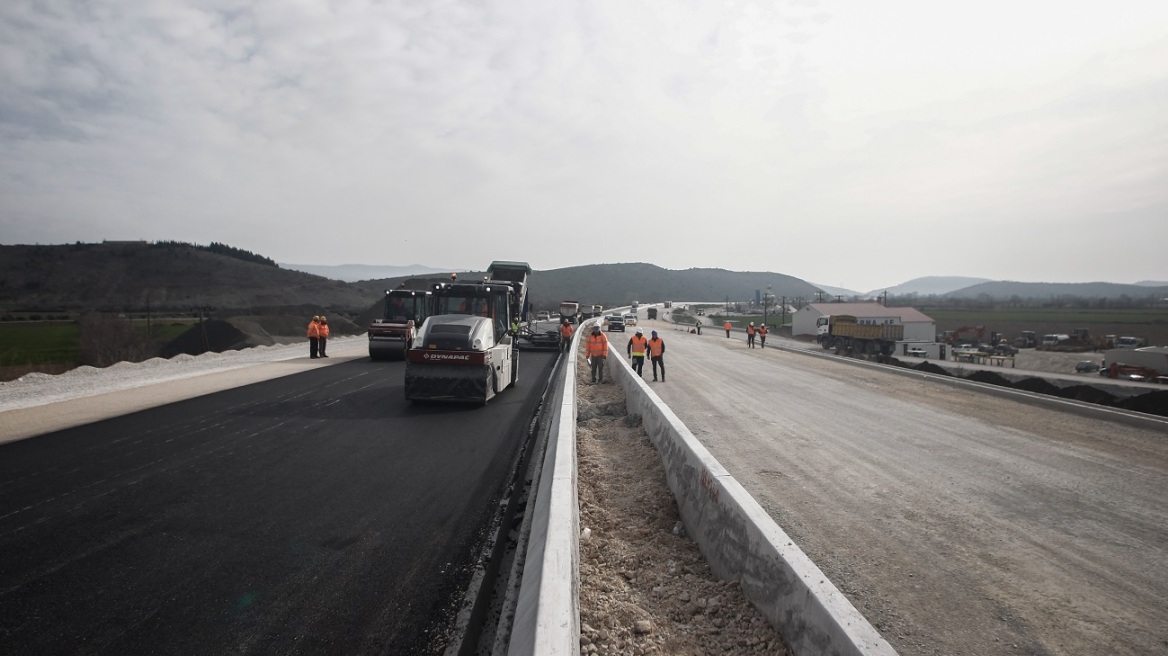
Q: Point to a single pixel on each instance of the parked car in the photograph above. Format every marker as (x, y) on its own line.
(630, 319)
(1086, 366)
(614, 322)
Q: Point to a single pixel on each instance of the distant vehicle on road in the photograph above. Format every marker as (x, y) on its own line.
(630, 319)
(614, 322)
(543, 315)
(1086, 366)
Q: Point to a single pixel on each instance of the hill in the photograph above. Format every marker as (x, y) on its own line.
(164, 276)
(358, 272)
(1004, 290)
(930, 285)
(613, 285)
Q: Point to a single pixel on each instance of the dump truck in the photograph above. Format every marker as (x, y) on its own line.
(405, 310)
(847, 334)
(467, 350)
(570, 310)
(651, 313)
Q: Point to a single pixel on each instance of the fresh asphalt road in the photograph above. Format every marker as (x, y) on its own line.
(315, 513)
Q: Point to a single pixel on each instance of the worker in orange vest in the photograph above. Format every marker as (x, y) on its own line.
(750, 335)
(727, 326)
(313, 337)
(565, 334)
(324, 335)
(657, 354)
(762, 331)
(637, 347)
(596, 350)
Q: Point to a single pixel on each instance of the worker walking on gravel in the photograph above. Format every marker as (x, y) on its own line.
(638, 346)
(313, 337)
(323, 330)
(727, 326)
(762, 332)
(750, 335)
(565, 334)
(596, 350)
(657, 354)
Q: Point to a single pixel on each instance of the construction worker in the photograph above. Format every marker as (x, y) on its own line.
(596, 350)
(566, 331)
(762, 332)
(313, 337)
(323, 330)
(727, 326)
(750, 335)
(698, 326)
(657, 354)
(638, 345)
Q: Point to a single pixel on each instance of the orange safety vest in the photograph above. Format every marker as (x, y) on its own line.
(566, 330)
(762, 331)
(313, 329)
(656, 347)
(324, 331)
(750, 330)
(727, 326)
(637, 346)
(597, 346)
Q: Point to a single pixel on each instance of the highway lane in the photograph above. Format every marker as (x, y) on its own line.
(956, 522)
(315, 513)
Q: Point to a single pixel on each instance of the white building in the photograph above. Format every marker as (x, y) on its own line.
(918, 327)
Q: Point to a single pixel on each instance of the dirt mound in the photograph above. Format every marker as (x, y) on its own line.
(930, 368)
(990, 378)
(1153, 403)
(1037, 385)
(212, 335)
(1087, 394)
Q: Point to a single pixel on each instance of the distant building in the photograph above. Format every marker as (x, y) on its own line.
(918, 327)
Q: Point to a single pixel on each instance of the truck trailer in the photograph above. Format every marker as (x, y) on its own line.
(846, 334)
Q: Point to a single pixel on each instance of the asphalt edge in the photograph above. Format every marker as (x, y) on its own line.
(742, 543)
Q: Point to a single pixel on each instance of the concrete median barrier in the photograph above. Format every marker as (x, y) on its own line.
(742, 543)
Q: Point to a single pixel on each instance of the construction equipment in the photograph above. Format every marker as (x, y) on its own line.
(845, 334)
(652, 313)
(405, 310)
(1027, 339)
(467, 350)
(963, 335)
(570, 310)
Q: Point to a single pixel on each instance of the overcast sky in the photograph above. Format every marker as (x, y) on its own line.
(856, 144)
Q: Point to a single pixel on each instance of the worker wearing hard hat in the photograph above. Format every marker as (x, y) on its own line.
(596, 350)
(750, 335)
(324, 335)
(566, 331)
(637, 347)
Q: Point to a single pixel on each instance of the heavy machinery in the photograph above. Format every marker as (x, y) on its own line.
(846, 334)
(405, 310)
(1027, 339)
(963, 335)
(652, 313)
(570, 310)
(467, 350)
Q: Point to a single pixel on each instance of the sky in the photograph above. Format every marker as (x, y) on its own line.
(855, 144)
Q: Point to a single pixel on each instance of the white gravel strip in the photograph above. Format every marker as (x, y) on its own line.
(36, 389)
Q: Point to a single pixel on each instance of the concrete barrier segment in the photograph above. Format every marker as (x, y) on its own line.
(547, 612)
(742, 543)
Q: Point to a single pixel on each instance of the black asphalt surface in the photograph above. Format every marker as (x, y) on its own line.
(318, 513)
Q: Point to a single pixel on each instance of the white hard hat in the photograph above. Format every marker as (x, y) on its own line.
(640, 331)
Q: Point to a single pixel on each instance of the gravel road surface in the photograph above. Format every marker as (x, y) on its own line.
(958, 523)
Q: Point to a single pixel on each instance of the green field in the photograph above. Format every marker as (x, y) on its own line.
(57, 342)
(1148, 316)
(39, 343)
